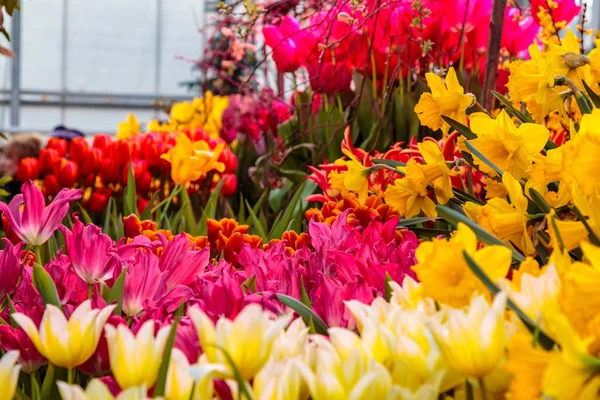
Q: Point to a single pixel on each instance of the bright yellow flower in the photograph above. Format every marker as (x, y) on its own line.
(444, 273)
(474, 340)
(66, 343)
(408, 195)
(292, 342)
(436, 171)
(135, 360)
(9, 374)
(96, 390)
(494, 189)
(506, 146)
(157, 126)
(279, 380)
(182, 113)
(595, 63)
(248, 339)
(580, 155)
(564, 60)
(449, 100)
(506, 221)
(191, 161)
(180, 383)
(128, 128)
(547, 169)
(527, 365)
(355, 179)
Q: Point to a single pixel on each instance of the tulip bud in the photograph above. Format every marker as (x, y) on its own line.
(228, 158)
(99, 200)
(91, 163)
(229, 185)
(102, 142)
(28, 169)
(10, 234)
(60, 145)
(143, 182)
(48, 159)
(110, 171)
(51, 186)
(67, 173)
(79, 150)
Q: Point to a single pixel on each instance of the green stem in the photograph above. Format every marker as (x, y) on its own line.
(70, 376)
(90, 291)
(48, 381)
(482, 388)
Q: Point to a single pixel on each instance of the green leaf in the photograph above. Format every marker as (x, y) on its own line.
(539, 201)
(147, 212)
(415, 221)
(11, 308)
(84, 214)
(276, 196)
(45, 285)
(116, 292)
(107, 215)
(288, 214)
(256, 223)
(304, 312)
(250, 283)
(454, 217)
(460, 128)
(304, 296)
(593, 96)
(242, 384)
(159, 388)
(391, 163)
(545, 341)
(510, 109)
(388, 288)
(591, 234)
(430, 232)
(210, 210)
(129, 203)
(483, 158)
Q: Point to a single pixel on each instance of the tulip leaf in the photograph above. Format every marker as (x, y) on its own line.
(304, 296)
(159, 388)
(483, 158)
(11, 308)
(388, 288)
(591, 234)
(129, 201)
(539, 201)
(209, 211)
(454, 218)
(288, 214)
(84, 214)
(593, 96)
(460, 128)
(510, 108)
(415, 221)
(45, 285)
(147, 212)
(391, 163)
(256, 223)
(106, 224)
(306, 313)
(242, 384)
(116, 292)
(545, 341)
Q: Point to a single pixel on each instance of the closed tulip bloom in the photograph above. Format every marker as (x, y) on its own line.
(96, 390)
(28, 168)
(180, 382)
(35, 223)
(474, 341)
(279, 381)
(10, 268)
(67, 172)
(249, 352)
(66, 343)
(135, 359)
(9, 374)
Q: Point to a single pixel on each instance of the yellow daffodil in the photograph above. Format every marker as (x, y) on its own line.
(66, 343)
(507, 221)
(447, 99)
(96, 390)
(192, 160)
(182, 113)
(595, 62)
(9, 374)
(436, 172)
(545, 170)
(507, 147)
(473, 340)
(580, 156)
(355, 179)
(128, 128)
(409, 195)
(249, 352)
(564, 59)
(135, 360)
(444, 273)
(180, 383)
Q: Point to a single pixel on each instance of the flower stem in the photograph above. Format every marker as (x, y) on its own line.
(38, 255)
(48, 381)
(482, 388)
(90, 290)
(70, 376)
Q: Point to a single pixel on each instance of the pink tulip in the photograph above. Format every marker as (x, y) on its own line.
(142, 280)
(181, 262)
(35, 223)
(16, 339)
(10, 268)
(70, 287)
(565, 12)
(518, 33)
(90, 251)
(283, 39)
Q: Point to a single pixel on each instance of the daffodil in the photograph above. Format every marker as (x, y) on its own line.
(128, 128)
(444, 273)
(409, 195)
(9, 374)
(580, 155)
(473, 340)
(135, 359)
(97, 390)
(192, 160)
(66, 343)
(507, 146)
(547, 169)
(564, 59)
(249, 352)
(447, 99)
(507, 221)
(355, 178)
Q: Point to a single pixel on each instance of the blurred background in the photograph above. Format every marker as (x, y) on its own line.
(86, 64)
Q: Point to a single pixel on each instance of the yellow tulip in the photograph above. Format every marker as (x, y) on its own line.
(135, 360)
(292, 342)
(192, 160)
(180, 382)
(128, 128)
(9, 374)
(473, 341)
(447, 99)
(248, 339)
(96, 390)
(66, 343)
(279, 380)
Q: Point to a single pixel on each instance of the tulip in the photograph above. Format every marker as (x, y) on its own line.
(48, 159)
(135, 360)
(141, 282)
(35, 223)
(229, 185)
(283, 40)
(473, 341)
(97, 390)
(248, 352)
(16, 339)
(90, 165)
(180, 382)
(10, 268)
(110, 170)
(279, 381)
(128, 128)
(229, 158)
(51, 186)
(90, 251)
(67, 172)
(60, 145)
(102, 142)
(28, 168)
(10, 234)
(79, 149)
(99, 200)
(9, 374)
(99, 363)
(66, 343)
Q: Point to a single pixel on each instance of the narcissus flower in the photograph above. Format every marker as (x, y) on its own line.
(507, 147)
(128, 128)
(66, 343)
(9, 374)
(249, 352)
(473, 340)
(447, 99)
(35, 223)
(134, 360)
(527, 365)
(192, 160)
(565, 60)
(355, 179)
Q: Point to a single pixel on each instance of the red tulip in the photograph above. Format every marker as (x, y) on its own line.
(91, 164)
(110, 171)
(8, 231)
(79, 150)
(51, 186)
(102, 142)
(99, 200)
(67, 173)
(28, 169)
(228, 158)
(229, 185)
(48, 158)
(60, 145)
